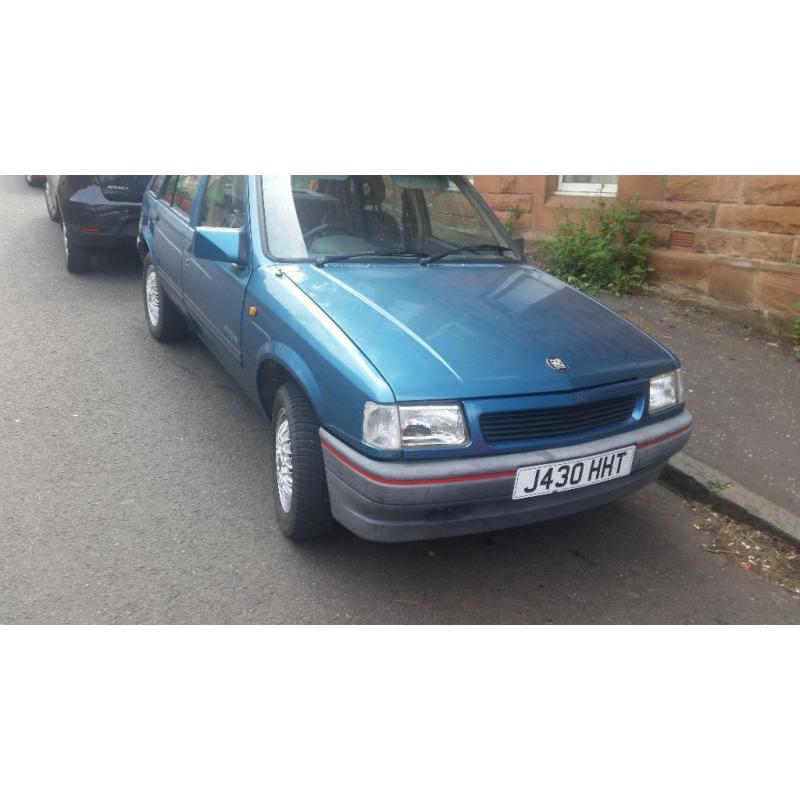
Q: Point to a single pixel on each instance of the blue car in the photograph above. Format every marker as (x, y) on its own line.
(420, 378)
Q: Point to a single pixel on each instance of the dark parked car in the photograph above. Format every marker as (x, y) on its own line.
(421, 378)
(35, 180)
(95, 212)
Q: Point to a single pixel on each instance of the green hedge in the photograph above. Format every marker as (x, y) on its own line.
(605, 249)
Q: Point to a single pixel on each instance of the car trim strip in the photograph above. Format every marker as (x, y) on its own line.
(207, 326)
(415, 481)
(462, 478)
(663, 438)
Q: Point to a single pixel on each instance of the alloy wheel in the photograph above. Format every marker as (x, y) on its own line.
(153, 298)
(283, 460)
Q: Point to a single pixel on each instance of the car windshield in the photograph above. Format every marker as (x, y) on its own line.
(328, 216)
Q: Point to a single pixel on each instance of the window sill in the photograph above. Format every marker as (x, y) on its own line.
(597, 193)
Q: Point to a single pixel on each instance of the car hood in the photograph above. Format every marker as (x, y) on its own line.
(467, 331)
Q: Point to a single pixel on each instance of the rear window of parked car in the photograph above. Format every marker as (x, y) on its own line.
(185, 191)
(157, 184)
(169, 189)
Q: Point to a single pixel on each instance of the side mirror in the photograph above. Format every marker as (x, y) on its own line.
(220, 244)
(518, 240)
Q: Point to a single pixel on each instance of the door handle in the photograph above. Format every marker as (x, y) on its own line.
(156, 217)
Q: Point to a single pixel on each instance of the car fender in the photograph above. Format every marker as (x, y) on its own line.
(290, 329)
(290, 361)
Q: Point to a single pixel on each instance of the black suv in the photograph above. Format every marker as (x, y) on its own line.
(95, 211)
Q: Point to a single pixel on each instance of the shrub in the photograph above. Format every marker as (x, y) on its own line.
(797, 334)
(514, 213)
(603, 250)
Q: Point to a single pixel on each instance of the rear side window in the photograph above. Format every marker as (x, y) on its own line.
(168, 191)
(223, 204)
(185, 191)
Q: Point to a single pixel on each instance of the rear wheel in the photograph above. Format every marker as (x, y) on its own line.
(51, 201)
(78, 259)
(165, 322)
(300, 488)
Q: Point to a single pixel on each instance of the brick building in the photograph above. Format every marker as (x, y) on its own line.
(735, 238)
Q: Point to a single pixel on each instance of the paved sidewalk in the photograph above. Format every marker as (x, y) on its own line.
(742, 387)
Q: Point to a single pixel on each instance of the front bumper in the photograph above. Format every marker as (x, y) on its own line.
(399, 501)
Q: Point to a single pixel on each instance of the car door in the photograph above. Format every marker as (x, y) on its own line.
(213, 291)
(172, 228)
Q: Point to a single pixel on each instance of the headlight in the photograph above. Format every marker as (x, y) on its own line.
(392, 427)
(665, 391)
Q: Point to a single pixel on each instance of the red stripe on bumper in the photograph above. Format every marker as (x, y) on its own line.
(461, 478)
(663, 438)
(415, 482)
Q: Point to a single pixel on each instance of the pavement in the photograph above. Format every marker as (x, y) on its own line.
(132, 490)
(743, 389)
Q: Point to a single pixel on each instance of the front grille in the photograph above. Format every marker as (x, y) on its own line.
(540, 423)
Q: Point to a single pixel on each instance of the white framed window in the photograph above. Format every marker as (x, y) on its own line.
(587, 184)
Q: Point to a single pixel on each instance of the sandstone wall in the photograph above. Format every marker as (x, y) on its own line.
(732, 237)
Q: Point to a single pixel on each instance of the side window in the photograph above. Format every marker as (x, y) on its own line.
(168, 190)
(224, 202)
(185, 191)
(155, 189)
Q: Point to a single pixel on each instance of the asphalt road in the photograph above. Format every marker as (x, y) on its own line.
(132, 489)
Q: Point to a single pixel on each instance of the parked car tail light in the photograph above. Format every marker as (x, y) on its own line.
(666, 391)
(392, 427)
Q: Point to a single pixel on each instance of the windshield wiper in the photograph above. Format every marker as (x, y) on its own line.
(500, 248)
(323, 260)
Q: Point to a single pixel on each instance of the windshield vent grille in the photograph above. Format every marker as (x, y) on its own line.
(507, 426)
(439, 266)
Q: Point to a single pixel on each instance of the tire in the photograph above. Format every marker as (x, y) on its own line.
(51, 201)
(306, 512)
(77, 259)
(165, 322)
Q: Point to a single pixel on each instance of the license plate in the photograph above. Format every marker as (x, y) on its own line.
(563, 476)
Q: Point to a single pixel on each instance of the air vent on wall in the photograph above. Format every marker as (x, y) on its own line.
(682, 240)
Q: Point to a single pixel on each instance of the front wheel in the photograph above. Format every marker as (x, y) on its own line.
(300, 488)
